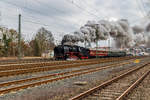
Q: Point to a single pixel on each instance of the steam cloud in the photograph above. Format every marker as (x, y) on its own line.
(124, 35)
(137, 29)
(148, 28)
(148, 34)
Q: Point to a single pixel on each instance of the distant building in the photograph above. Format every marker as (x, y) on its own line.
(48, 54)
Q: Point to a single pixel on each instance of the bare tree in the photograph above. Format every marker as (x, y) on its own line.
(44, 39)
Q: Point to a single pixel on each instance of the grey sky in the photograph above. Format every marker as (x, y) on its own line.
(63, 16)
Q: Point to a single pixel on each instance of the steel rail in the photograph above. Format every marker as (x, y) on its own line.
(34, 60)
(54, 79)
(16, 61)
(133, 86)
(57, 74)
(41, 64)
(90, 91)
(48, 68)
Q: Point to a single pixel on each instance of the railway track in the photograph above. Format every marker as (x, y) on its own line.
(52, 66)
(26, 61)
(57, 76)
(118, 87)
(41, 64)
(140, 92)
(16, 61)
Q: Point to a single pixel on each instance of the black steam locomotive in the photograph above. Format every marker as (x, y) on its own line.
(64, 52)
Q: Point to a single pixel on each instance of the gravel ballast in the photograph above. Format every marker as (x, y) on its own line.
(64, 89)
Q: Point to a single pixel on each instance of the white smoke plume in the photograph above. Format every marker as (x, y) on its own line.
(140, 39)
(73, 38)
(125, 36)
(137, 29)
(148, 28)
(148, 42)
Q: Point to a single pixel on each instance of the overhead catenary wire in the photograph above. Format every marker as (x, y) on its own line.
(41, 24)
(36, 11)
(54, 29)
(35, 22)
(29, 9)
(39, 12)
(26, 20)
(144, 7)
(57, 10)
(88, 12)
(46, 5)
(92, 8)
(140, 8)
(142, 2)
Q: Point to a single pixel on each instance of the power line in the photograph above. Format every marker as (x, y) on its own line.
(95, 10)
(25, 8)
(144, 7)
(88, 12)
(37, 23)
(140, 8)
(24, 19)
(22, 7)
(58, 10)
(143, 4)
(81, 1)
(29, 9)
(0, 15)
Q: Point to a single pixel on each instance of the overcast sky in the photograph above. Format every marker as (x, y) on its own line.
(66, 16)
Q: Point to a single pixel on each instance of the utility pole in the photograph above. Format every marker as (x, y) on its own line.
(19, 37)
(96, 42)
(109, 43)
(0, 16)
(96, 49)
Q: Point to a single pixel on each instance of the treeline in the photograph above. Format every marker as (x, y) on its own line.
(42, 42)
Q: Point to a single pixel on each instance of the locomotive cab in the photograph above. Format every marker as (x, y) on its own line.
(58, 52)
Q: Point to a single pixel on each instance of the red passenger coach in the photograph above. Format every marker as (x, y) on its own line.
(98, 53)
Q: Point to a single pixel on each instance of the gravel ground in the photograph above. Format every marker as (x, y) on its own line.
(30, 75)
(64, 89)
(13, 60)
(47, 73)
(114, 90)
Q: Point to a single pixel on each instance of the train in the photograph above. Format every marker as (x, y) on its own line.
(65, 52)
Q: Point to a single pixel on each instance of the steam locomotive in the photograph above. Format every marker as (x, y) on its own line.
(64, 52)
